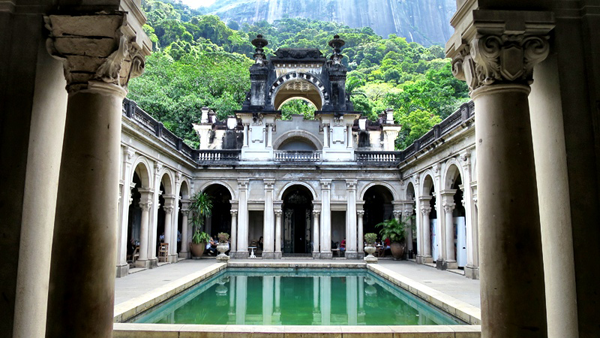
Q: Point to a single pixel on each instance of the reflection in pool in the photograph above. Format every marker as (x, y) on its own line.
(296, 297)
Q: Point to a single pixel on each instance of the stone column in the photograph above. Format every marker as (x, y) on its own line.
(426, 230)
(351, 252)
(269, 135)
(268, 228)
(154, 220)
(175, 216)
(361, 235)
(349, 136)
(85, 233)
(497, 64)
(474, 219)
(242, 246)
(471, 270)
(316, 234)
(185, 211)
(145, 204)
(407, 213)
(278, 213)
(168, 208)
(122, 265)
(246, 136)
(233, 239)
(448, 205)
(326, 219)
(441, 236)
(418, 220)
(325, 135)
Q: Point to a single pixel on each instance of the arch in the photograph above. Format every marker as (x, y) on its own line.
(227, 186)
(428, 183)
(290, 184)
(298, 85)
(184, 189)
(393, 191)
(453, 170)
(297, 134)
(410, 191)
(166, 179)
(297, 98)
(141, 167)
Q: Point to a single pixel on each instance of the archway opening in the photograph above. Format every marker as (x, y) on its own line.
(297, 106)
(297, 221)
(378, 207)
(135, 219)
(298, 88)
(220, 217)
(434, 228)
(412, 224)
(459, 241)
(297, 143)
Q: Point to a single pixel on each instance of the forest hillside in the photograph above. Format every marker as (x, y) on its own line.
(199, 60)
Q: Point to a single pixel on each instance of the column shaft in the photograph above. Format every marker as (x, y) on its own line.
(316, 234)
(233, 239)
(351, 220)
(326, 219)
(243, 220)
(361, 236)
(184, 232)
(278, 213)
(122, 266)
(268, 227)
(145, 204)
(508, 208)
(85, 230)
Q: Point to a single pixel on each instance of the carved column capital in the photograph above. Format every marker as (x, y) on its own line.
(316, 213)
(448, 207)
(145, 205)
(278, 212)
(99, 51)
(269, 184)
(243, 184)
(425, 210)
(360, 213)
(233, 212)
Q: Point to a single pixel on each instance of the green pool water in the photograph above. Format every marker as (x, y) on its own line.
(296, 297)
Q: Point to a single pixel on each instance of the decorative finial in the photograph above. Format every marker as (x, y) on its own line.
(259, 43)
(337, 45)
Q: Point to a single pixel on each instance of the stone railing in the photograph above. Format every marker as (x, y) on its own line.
(297, 156)
(463, 116)
(218, 155)
(143, 119)
(384, 157)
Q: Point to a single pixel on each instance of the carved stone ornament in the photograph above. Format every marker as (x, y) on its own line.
(96, 48)
(425, 210)
(499, 59)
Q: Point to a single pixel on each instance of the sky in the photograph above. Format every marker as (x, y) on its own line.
(198, 3)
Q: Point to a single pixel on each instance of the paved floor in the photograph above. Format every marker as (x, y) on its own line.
(454, 285)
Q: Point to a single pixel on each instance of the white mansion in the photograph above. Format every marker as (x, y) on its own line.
(302, 185)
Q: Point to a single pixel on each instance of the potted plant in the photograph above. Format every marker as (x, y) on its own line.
(200, 208)
(223, 246)
(370, 248)
(394, 230)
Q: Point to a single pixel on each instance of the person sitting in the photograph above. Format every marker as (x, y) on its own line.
(260, 243)
(388, 245)
(211, 248)
(343, 246)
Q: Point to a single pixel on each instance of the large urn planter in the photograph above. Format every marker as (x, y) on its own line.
(197, 249)
(370, 250)
(222, 248)
(397, 250)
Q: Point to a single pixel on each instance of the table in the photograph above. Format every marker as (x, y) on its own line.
(252, 253)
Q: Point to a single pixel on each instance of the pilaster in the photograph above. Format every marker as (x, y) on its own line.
(242, 246)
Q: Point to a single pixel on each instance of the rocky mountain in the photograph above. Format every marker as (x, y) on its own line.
(422, 21)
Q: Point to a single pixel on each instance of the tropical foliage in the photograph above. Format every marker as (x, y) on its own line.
(370, 238)
(201, 208)
(392, 229)
(198, 60)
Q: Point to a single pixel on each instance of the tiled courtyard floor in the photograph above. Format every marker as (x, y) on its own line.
(454, 285)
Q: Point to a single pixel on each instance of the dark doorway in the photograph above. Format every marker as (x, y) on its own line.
(220, 218)
(378, 208)
(297, 216)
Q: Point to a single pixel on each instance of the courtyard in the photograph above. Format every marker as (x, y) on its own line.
(449, 291)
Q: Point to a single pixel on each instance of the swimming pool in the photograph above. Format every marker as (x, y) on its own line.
(315, 297)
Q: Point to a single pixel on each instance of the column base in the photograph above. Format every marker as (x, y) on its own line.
(153, 263)
(142, 264)
(122, 270)
(242, 254)
(268, 255)
(424, 259)
(361, 255)
(326, 255)
(472, 272)
(441, 265)
(316, 255)
(277, 255)
(451, 264)
(184, 255)
(351, 255)
(172, 258)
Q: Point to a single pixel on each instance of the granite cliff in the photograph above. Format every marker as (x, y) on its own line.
(422, 21)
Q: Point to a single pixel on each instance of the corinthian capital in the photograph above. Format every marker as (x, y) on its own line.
(499, 47)
(96, 49)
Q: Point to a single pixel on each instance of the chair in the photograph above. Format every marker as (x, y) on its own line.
(135, 255)
(163, 252)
